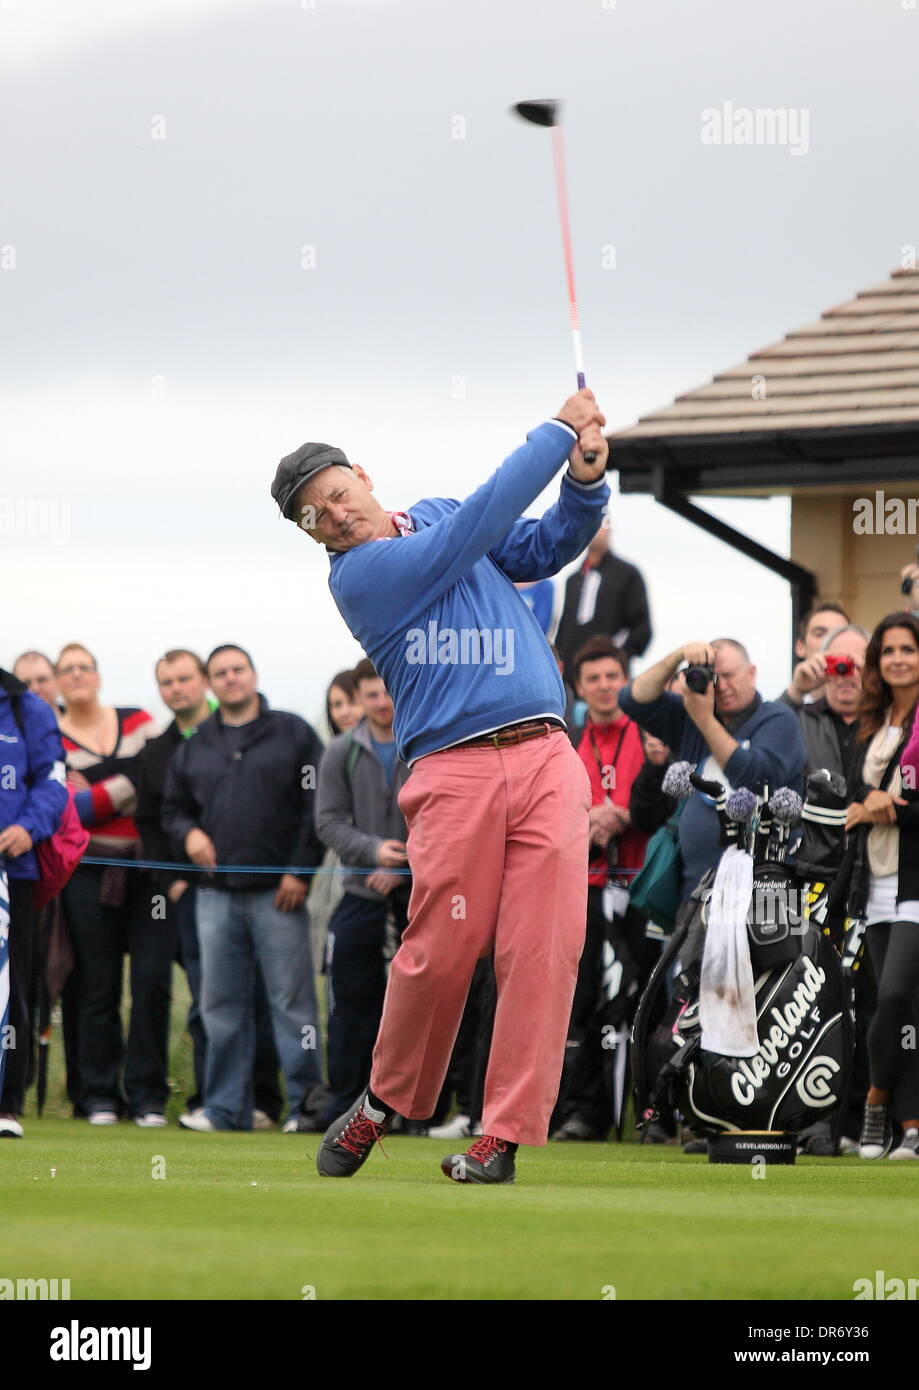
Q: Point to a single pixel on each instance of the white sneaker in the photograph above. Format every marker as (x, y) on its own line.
(289, 1126)
(261, 1121)
(10, 1128)
(103, 1117)
(457, 1128)
(877, 1132)
(848, 1146)
(152, 1120)
(908, 1146)
(197, 1120)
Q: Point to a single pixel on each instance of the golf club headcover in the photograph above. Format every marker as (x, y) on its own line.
(786, 806)
(826, 788)
(676, 780)
(741, 805)
(739, 810)
(712, 789)
(820, 852)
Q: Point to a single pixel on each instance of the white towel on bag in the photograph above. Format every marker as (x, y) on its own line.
(727, 1002)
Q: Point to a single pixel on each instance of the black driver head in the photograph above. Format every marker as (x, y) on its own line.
(540, 112)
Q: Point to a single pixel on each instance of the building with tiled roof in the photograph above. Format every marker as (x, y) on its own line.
(828, 416)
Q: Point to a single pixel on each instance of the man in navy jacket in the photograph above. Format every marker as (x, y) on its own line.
(729, 732)
(241, 793)
(33, 795)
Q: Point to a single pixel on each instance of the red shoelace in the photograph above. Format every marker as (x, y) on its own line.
(360, 1132)
(486, 1148)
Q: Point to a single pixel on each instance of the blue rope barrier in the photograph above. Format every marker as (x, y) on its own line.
(256, 868)
(232, 868)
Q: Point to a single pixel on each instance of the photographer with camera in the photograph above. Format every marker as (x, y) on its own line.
(829, 724)
(722, 725)
(807, 682)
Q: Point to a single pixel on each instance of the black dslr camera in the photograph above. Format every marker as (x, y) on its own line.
(698, 678)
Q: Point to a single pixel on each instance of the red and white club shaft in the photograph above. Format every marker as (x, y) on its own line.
(561, 189)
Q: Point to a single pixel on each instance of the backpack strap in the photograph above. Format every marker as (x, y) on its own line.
(16, 705)
(354, 752)
(892, 766)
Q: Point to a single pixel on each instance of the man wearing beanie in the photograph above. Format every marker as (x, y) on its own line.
(497, 802)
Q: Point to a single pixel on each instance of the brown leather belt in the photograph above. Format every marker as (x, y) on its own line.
(512, 734)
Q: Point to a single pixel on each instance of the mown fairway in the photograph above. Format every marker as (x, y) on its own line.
(649, 1222)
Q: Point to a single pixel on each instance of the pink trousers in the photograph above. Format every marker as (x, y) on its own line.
(498, 848)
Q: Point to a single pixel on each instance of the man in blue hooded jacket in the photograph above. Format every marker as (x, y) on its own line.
(32, 798)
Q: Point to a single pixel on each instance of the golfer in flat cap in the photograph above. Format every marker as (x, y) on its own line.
(497, 802)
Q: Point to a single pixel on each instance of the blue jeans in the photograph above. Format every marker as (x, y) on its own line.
(267, 1087)
(234, 931)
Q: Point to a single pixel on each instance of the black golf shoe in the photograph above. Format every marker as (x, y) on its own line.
(576, 1128)
(348, 1141)
(487, 1160)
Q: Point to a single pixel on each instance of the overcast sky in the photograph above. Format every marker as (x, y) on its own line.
(227, 227)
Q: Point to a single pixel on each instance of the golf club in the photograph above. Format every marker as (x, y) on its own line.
(548, 113)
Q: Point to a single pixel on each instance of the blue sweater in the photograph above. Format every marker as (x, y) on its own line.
(33, 791)
(770, 751)
(540, 598)
(437, 611)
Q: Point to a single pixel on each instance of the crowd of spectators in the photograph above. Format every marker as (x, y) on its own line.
(263, 854)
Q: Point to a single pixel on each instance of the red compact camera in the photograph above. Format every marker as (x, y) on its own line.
(840, 666)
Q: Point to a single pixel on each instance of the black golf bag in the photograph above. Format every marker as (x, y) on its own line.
(804, 1025)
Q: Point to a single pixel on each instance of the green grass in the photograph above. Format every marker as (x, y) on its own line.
(247, 1216)
(647, 1220)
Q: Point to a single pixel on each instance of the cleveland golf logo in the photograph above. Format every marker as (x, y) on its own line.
(76, 1343)
(751, 1074)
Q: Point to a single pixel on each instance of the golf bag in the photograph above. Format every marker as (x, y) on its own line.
(803, 1021)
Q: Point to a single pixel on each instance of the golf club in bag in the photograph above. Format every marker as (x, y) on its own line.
(818, 861)
(797, 1066)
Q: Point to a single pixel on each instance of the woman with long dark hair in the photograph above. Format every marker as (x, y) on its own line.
(887, 806)
(341, 708)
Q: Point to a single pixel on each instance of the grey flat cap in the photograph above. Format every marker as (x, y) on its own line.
(294, 470)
